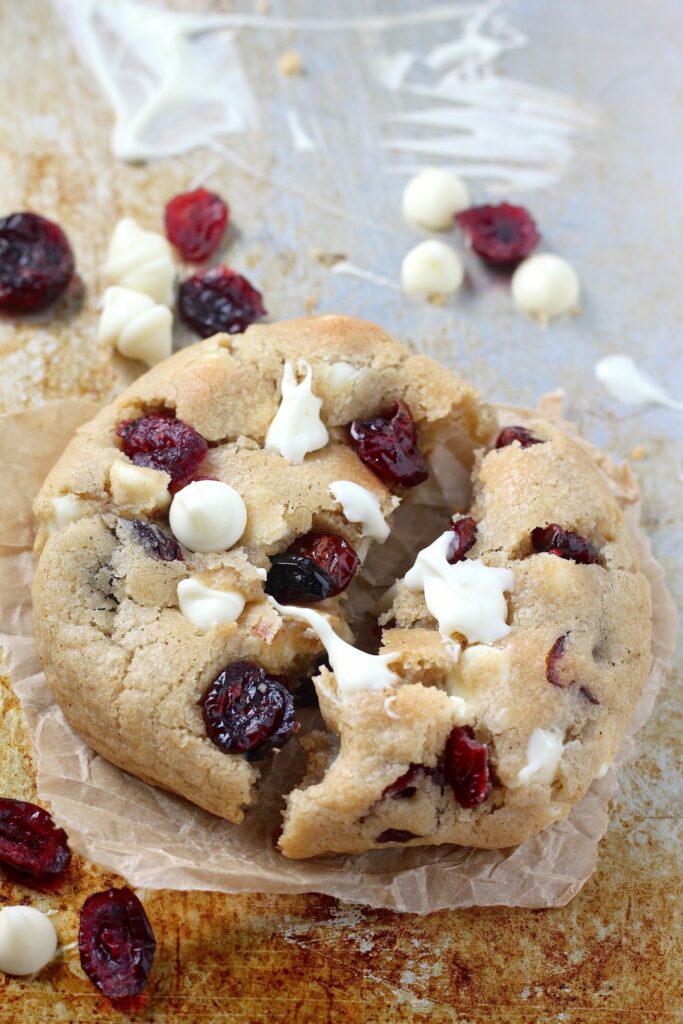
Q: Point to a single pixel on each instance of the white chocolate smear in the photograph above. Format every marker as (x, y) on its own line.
(354, 670)
(136, 325)
(543, 754)
(623, 380)
(432, 198)
(206, 607)
(28, 940)
(141, 260)
(545, 286)
(467, 597)
(360, 505)
(431, 268)
(297, 428)
(208, 515)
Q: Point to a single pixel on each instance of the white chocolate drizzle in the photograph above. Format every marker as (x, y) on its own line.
(467, 597)
(297, 428)
(623, 380)
(136, 325)
(354, 670)
(141, 260)
(360, 505)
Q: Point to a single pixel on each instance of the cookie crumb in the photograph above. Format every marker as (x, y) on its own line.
(436, 299)
(310, 303)
(638, 453)
(327, 259)
(290, 64)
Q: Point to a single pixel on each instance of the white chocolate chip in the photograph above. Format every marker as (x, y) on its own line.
(28, 940)
(543, 754)
(432, 198)
(66, 508)
(136, 325)
(206, 607)
(141, 260)
(139, 487)
(431, 268)
(208, 515)
(545, 286)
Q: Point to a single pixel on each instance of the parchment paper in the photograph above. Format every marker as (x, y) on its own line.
(156, 840)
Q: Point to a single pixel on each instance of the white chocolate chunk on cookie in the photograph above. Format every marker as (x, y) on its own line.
(66, 508)
(543, 754)
(467, 597)
(206, 607)
(297, 427)
(139, 487)
(208, 515)
(361, 506)
(136, 325)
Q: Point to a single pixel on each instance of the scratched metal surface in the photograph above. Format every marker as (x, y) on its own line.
(615, 953)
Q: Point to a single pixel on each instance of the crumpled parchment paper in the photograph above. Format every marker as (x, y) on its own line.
(157, 840)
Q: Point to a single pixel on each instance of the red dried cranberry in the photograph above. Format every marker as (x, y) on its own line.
(395, 835)
(160, 441)
(464, 538)
(403, 787)
(155, 542)
(499, 234)
(247, 711)
(555, 540)
(218, 299)
(553, 671)
(588, 695)
(387, 444)
(116, 943)
(30, 842)
(315, 567)
(466, 767)
(195, 223)
(36, 263)
(509, 435)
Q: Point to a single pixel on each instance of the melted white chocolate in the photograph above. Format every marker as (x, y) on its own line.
(543, 754)
(206, 607)
(354, 670)
(361, 506)
(297, 428)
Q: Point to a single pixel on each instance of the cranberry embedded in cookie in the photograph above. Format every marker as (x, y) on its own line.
(466, 767)
(553, 661)
(155, 542)
(116, 943)
(387, 444)
(36, 263)
(30, 842)
(313, 568)
(160, 441)
(248, 712)
(464, 538)
(509, 435)
(555, 540)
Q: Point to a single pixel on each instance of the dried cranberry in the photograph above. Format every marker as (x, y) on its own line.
(116, 943)
(403, 787)
(588, 695)
(247, 711)
(464, 538)
(195, 223)
(387, 444)
(509, 435)
(30, 842)
(555, 540)
(553, 671)
(217, 300)
(395, 835)
(160, 441)
(155, 542)
(314, 567)
(466, 767)
(499, 234)
(36, 263)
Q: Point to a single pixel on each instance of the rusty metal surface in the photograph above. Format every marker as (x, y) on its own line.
(615, 953)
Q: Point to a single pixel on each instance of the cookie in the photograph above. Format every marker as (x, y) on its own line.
(240, 473)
